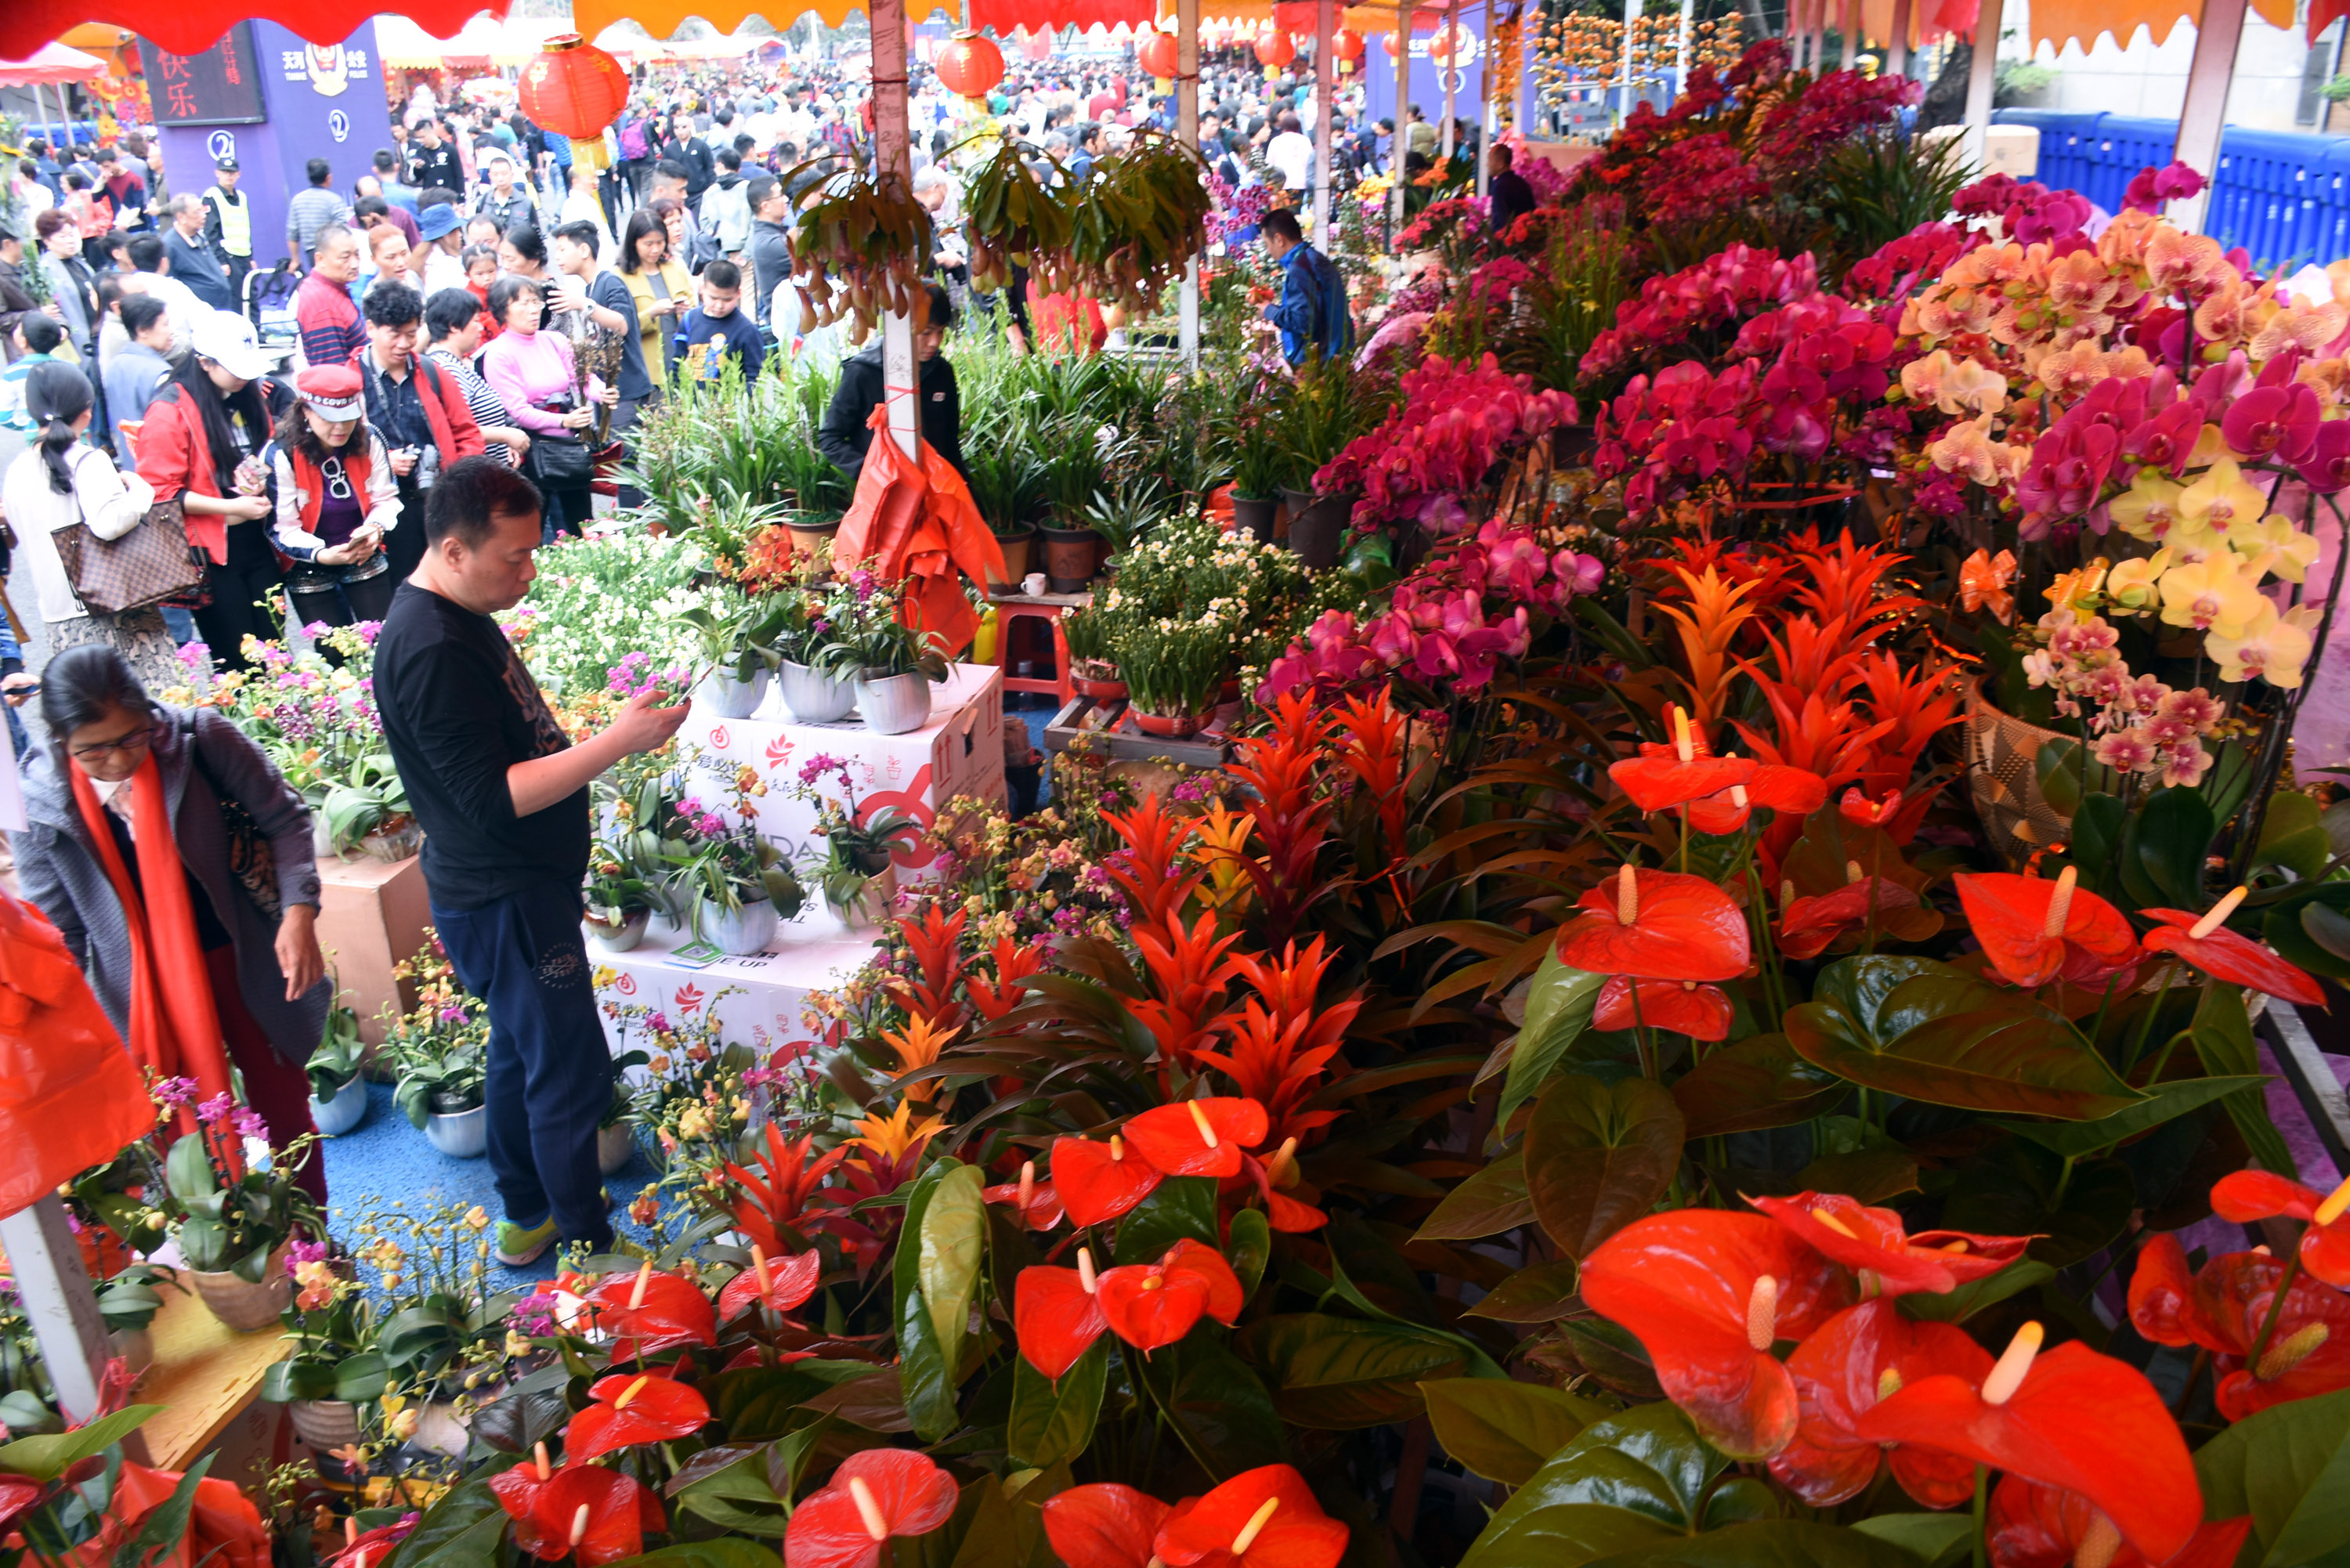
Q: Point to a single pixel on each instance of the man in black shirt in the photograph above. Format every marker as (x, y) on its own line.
(1513, 197)
(503, 799)
(432, 160)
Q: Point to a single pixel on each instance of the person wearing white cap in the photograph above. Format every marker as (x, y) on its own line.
(337, 498)
(202, 446)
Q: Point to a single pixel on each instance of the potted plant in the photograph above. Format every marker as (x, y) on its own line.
(1174, 670)
(891, 664)
(234, 1220)
(127, 1304)
(735, 637)
(740, 886)
(338, 1094)
(333, 1370)
(1069, 462)
(857, 871)
(619, 900)
(361, 807)
(1326, 409)
(1254, 439)
(616, 1132)
(815, 696)
(1006, 484)
(440, 1058)
(1093, 660)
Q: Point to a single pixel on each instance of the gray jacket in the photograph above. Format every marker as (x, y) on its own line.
(201, 757)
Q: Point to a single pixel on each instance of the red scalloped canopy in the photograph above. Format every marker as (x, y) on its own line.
(190, 27)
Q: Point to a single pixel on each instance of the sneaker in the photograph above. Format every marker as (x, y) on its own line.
(518, 1248)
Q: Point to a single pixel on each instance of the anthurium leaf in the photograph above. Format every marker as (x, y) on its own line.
(2289, 1468)
(1599, 1155)
(1220, 1408)
(2000, 1058)
(463, 1528)
(1505, 1431)
(906, 1267)
(1180, 1207)
(1757, 1084)
(1558, 1010)
(2018, 1190)
(953, 1233)
(2330, 930)
(1493, 1200)
(1615, 1359)
(1337, 1373)
(2174, 833)
(2310, 935)
(2167, 1101)
(1248, 1247)
(723, 1552)
(2225, 1042)
(1935, 1539)
(1769, 1543)
(2293, 834)
(1958, 1306)
(737, 1498)
(1539, 1292)
(45, 1457)
(1052, 1421)
(1870, 1175)
(1863, 986)
(2096, 847)
(1645, 1472)
(925, 1374)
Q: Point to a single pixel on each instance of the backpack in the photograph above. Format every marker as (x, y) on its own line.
(632, 140)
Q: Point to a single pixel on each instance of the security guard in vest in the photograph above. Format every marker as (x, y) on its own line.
(228, 225)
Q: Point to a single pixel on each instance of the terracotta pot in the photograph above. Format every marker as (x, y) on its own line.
(1070, 558)
(1015, 548)
(809, 537)
(1170, 726)
(1254, 517)
(243, 1305)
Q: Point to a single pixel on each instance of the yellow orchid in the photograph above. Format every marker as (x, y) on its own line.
(2216, 595)
(2221, 499)
(2134, 585)
(2275, 647)
(917, 1045)
(2290, 552)
(896, 1135)
(2148, 509)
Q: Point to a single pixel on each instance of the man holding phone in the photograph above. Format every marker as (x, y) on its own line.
(422, 415)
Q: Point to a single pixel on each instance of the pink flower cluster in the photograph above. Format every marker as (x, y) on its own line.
(1454, 423)
(2029, 212)
(1470, 607)
(1721, 289)
(2152, 189)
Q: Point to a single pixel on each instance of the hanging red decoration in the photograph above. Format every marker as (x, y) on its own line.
(575, 88)
(1037, 46)
(1159, 54)
(970, 66)
(1274, 48)
(1347, 44)
(1447, 39)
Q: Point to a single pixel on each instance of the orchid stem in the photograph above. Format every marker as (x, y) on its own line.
(1982, 1516)
(2276, 1311)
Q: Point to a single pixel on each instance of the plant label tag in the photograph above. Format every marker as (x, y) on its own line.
(695, 955)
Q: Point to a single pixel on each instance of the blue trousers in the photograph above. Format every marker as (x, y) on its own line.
(550, 1072)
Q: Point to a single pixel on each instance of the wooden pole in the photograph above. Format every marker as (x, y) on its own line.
(2203, 118)
(1325, 130)
(59, 1302)
(1982, 77)
(901, 373)
(1897, 48)
(1187, 130)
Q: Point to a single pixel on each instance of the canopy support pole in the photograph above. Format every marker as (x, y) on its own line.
(1848, 33)
(1624, 104)
(1187, 132)
(1325, 70)
(57, 1299)
(1982, 77)
(2203, 118)
(1398, 155)
(893, 162)
(1485, 104)
(1680, 53)
(1897, 48)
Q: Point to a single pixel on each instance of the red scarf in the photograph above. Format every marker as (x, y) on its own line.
(174, 1025)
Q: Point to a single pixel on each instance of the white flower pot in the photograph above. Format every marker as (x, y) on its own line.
(619, 938)
(741, 931)
(814, 698)
(893, 705)
(345, 1111)
(727, 698)
(461, 1134)
(614, 1145)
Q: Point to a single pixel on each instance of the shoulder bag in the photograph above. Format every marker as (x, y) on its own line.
(153, 563)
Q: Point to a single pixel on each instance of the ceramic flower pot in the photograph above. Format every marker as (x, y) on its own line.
(1015, 548)
(396, 845)
(1070, 556)
(741, 931)
(241, 1304)
(325, 1425)
(1254, 516)
(460, 1134)
(614, 1145)
(893, 705)
(345, 1111)
(726, 697)
(621, 937)
(870, 902)
(809, 537)
(1097, 678)
(2003, 782)
(1317, 531)
(1170, 726)
(813, 697)
(440, 1430)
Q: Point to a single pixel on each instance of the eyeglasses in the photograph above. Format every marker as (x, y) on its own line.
(138, 740)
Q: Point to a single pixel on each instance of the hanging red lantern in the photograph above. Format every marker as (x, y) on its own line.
(1446, 40)
(970, 66)
(1347, 44)
(1159, 54)
(1389, 43)
(577, 89)
(1274, 48)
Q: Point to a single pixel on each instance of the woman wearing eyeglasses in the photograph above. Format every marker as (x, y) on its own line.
(177, 863)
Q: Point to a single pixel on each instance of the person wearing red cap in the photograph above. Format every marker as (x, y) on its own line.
(337, 498)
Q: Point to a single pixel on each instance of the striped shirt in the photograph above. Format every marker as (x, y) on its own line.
(310, 209)
(487, 408)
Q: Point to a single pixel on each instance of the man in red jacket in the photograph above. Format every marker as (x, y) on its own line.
(420, 413)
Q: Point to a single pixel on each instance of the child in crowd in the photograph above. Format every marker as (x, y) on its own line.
(717, 327)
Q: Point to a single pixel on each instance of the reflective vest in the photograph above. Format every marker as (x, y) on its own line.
(235, 215)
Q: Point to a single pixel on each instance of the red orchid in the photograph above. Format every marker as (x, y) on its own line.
(630, 1409)
(1199, 1137)
(646, 1312)
(2223, 1309)
(1036, 1204)
(1103, 1525)
(2070, 1418)
(1808, 926)
(1097, 1182)
(1709, 1293)
(1858, 1357)
(2034, 930)
(778, 1286)
(1265, 1517)
(1657, 925)
(1872, 1243)
(2035, 1526)
(874, 1495)
(583, 1511)
(1677, 1007)
(1152, 1304)
(2204, 942)
(2245, 1196)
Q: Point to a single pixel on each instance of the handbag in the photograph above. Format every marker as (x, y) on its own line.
(558, 463)
(153, 563)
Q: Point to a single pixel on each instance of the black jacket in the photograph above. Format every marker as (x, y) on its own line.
(844, 437)
(194, 264)
(701, 168)
(1511, 198)
(770, 263)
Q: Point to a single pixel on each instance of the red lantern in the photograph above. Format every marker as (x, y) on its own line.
(577, 89)
(1274, 48)
(970, 64)
(1447, 39)
(1159, 55)
(1389, 43)
(1347, 44)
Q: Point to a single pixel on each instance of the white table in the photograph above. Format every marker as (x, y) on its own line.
(815, 952)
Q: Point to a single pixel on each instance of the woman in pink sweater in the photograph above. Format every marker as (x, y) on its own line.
(532, 373)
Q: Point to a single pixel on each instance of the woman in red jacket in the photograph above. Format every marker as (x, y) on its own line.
(336, 501)
(202, 443)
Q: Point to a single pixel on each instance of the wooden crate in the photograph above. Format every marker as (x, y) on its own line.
(371, 915)
(1109, 731)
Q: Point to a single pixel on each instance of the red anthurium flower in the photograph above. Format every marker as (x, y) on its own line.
(874, 1495)
(1656, 925)
(1662, 777)
(2034, 930)
(1861, 1356)
(582, 1512)
(1709, 1293)
(1808, 926)
(1057, 1314)
(1889, 1261)
(2245, 1196)
(1199, 1137)
(646, 1312)
(1105, 1525)
(2035, 1526)
(1152, 1305)
(1036, 1203)
(779, 1285)
(359, 1547)
(1795, 792)
(2223, 1309)
(1677, 1007)
(18, 1494)
(1265, 1517)
(631, 1409)
(1274, 1172)
(1097, 1182)
(1862, 812)
(2205, 943)
(2070, 1418)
